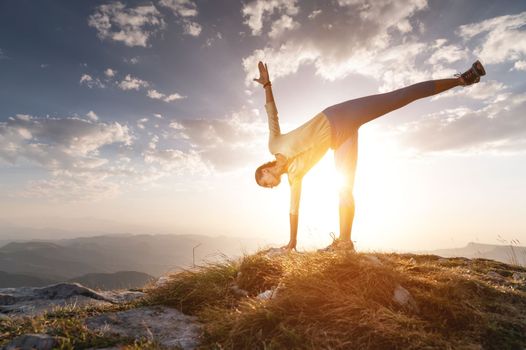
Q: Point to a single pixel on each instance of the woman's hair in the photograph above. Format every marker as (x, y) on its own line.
(259, 170)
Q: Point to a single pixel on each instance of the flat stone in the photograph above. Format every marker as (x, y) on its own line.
(402, 297)
(30, 301)
(167, 326)
(32, 341)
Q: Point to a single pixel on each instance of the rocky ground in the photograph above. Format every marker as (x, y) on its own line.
(162, 326)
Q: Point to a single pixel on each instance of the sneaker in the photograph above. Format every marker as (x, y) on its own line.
(338, 245)
(472, 75)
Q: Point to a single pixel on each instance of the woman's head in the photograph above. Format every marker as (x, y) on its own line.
(265, 175)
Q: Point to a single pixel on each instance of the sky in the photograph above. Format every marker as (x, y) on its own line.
(142, 116)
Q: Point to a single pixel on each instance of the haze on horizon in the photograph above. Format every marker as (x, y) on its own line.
(141, 116)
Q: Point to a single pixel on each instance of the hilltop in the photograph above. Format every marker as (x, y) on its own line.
(314, 301)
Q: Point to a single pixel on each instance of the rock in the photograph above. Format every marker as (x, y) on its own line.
(374, 260)
(32, 341)
(266, 295)
(67, 290)
(162, 281)
(272, 252)
(30, 301)
(402, 297)
(271, 293)
(165, 325)
(519, 276)
(412, 261)
(238, 291)
(494, 275)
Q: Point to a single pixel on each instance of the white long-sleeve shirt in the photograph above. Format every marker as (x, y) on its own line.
(303, 147)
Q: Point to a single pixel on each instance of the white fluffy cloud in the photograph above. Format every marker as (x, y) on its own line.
(110, 73)
(69, 148)
(281, 25)
(447, 53)
(131, 26)
(92, 116)
(226, 144)
(91, 82)
(501, 39)
(363, 51)
(496, 127)
(132, 83)
(256, 12)
(184, 10)
(156, 95)
(53, 142)
(520, 65)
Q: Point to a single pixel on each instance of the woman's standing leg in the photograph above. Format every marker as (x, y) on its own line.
(345, 158)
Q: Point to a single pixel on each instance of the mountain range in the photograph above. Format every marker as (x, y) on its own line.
(95, 261)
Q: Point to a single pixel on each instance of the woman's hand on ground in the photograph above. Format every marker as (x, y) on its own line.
(263, 74)
(290, 246)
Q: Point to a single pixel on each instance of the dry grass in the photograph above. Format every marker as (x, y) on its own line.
(67, 323)
(345, 301)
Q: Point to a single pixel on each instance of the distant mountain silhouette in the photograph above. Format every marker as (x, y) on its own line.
(509, 254)
(8, 280)
(64, 260)
(117, 280)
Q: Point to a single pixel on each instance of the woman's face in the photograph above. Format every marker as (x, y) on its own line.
(268, 179)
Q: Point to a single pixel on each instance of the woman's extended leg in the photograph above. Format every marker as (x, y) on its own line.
(362, 110)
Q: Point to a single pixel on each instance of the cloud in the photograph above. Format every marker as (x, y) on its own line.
(447, 53)
(520, 65)
(184, 10)
(110, 73)
(364, 50)
(500, 39)
(132, 83)
(498, 127)
(225, 144)
(57, 142)
(156, 95)
(256, 12)
(133, 60)
(2, 55)
(69, 149)
(314, 14)
(90, 82)
(489, 91)
(281, 25)
(141, 122)
(92, 116)
(192, 28)
(131, 26)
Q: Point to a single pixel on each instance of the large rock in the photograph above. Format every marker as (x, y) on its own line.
(31, 301)
(165, 325)
(32, 341)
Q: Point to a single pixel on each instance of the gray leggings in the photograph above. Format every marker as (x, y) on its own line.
(348, 116)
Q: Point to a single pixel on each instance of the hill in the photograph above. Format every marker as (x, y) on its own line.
(8, 280)
(511, 253)
(354, 301)
(340, 300)
(61, 260)
(117, 280)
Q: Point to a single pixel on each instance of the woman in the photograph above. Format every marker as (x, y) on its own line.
(335, 127)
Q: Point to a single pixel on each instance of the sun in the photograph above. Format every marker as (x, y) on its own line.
(321, 187)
